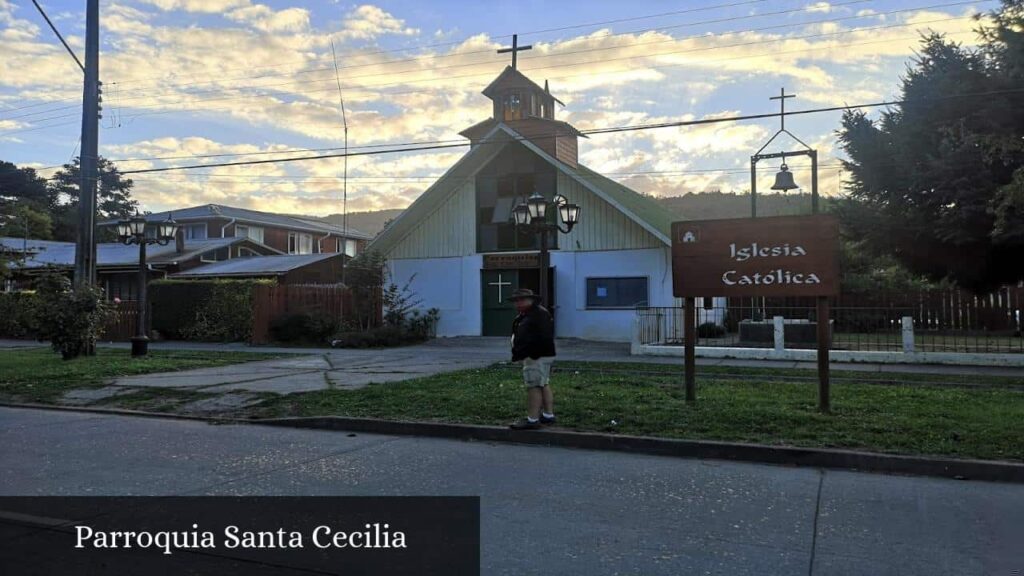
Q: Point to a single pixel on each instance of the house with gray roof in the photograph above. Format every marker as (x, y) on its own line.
(282, 232)
(117, 264)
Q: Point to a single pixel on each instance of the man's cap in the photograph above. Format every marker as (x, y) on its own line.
(523, 294)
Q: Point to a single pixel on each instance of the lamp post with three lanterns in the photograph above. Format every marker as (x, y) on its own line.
(133, 231)
(533, 215)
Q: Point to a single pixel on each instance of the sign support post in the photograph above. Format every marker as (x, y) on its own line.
(689, 344)
(824, 342)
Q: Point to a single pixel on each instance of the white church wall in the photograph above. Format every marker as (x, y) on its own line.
(452, 285)
(571, 272)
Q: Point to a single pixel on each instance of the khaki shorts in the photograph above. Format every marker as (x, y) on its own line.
(537, 373)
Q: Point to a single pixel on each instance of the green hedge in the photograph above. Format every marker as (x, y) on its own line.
(17, 315)
(204, 310)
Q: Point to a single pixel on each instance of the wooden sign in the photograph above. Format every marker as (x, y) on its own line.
(779, 256)
(511, 261)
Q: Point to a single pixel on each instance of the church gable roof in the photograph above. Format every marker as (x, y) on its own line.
(641, 209)
(434, 196)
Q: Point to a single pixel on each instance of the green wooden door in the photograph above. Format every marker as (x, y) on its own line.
(498, 313)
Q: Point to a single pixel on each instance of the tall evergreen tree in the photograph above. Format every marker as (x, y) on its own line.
(113, 197)
(937, 180)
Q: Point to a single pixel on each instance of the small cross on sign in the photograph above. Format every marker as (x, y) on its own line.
(515, 49)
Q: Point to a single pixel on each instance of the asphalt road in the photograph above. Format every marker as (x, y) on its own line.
(550, 510)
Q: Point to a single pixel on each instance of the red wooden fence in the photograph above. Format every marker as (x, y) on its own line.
(321, 300)
(121, 326)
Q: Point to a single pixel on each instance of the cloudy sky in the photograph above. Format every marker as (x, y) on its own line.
(187, 78)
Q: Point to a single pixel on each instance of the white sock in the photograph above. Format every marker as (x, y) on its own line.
(531, 420)
(547, 415)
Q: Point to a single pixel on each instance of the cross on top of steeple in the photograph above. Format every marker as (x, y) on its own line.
(515, 49)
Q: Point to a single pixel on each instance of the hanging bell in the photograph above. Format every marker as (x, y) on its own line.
(784, 179)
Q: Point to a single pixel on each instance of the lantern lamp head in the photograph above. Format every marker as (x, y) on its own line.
(137, 225)
(538, 206)
(570, 214)
(166, 230)
(521, 214)
(124, 230)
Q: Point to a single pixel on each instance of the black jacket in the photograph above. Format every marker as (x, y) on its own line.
(533, 334)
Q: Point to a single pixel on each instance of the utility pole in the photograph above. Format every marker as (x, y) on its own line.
(85, 250)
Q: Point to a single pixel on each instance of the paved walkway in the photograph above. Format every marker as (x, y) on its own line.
(310, 369)
(550, 510)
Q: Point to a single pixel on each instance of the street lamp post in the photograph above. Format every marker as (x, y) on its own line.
(533, 214)
(133, 231)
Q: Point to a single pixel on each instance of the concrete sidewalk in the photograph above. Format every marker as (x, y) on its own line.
(550, 510)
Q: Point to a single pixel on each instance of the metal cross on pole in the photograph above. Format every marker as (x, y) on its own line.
(515, 49)
(782, 103)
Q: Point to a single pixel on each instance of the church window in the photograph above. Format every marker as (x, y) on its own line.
(513, 106)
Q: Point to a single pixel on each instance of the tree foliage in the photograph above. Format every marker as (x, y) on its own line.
(50, 209)
(938, 181)
(113, 197)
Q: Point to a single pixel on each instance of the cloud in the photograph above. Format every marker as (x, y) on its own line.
(263, 18)
(266, 75)
(367, 22)
(207, 6)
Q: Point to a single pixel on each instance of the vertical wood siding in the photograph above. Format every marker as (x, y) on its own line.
(451, 229)
(448, 231)
(602, 226)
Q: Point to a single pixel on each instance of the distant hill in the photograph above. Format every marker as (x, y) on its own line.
(718, 205)
(370, 222)
(690, 206)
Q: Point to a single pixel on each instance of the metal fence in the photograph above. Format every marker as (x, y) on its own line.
(855, 328)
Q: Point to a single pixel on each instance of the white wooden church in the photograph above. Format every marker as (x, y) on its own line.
(459, 245)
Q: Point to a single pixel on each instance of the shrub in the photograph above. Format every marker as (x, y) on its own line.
(18, 315)
(380, 337)
(303, 328)
(70, 318)
(205, 310)
(710, 330)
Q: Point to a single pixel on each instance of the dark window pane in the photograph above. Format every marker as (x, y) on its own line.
(616, 292)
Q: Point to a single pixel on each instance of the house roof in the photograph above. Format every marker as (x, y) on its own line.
(115, 254)
(256, 266)
(643, 210)
(246, 216)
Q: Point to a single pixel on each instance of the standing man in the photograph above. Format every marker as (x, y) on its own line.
(533, 344)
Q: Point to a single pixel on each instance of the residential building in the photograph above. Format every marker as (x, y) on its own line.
(287, 234)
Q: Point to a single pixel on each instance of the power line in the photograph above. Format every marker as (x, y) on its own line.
(608, 130)
(555, 66)
(419, 47)
(57, 32)
(556, 54)
(490, 51)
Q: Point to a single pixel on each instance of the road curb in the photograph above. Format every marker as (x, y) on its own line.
(703, 449)
(985, 470)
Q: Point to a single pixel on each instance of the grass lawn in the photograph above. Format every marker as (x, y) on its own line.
(945, 420)
(39, 374)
